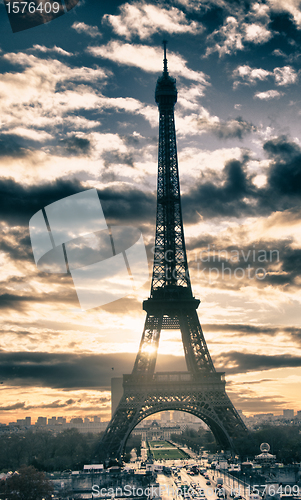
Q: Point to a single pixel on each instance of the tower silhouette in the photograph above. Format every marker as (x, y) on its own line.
(200, 390)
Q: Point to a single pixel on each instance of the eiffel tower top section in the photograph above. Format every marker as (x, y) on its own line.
(170, 272)
(166, 90)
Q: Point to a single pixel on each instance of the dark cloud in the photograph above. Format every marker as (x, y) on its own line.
(229, 129)
(16, 243)
(260, 381)
(237, 196)
(279, 259)
(10, 146)
(292, 333)
(232, 195)
(58, 404)
(128, 204)
(16, 406)
(70, 371)
(130, 140)
(285, 171)
(244, 329)
(213, 17)
(84, 371)
(58, 326)
(55, 404)
(76, 146)
(18, 203)
(238, 362)
(291, 262)
(212, 199)
(11, 301)
(18, 302)
(284, 23)
(235, 128)
(116, 157)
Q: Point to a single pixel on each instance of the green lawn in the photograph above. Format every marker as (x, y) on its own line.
(172, 454)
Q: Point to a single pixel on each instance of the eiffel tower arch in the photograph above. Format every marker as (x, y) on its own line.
(201, 390)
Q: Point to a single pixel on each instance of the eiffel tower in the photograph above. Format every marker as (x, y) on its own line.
(201, 390)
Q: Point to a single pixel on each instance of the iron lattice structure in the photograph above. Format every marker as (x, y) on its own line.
(200, 390)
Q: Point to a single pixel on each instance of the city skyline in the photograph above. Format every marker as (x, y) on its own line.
(78, 112)
(163, 416)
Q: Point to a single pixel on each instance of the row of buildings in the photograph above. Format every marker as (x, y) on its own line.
(57, 424)
(288, 417)
(166, 423)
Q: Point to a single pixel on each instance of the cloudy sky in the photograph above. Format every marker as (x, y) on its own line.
(77, 111)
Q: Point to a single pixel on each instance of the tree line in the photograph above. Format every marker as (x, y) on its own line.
(67, 450)
(27, 484)
(284, 440)
(48, 452)
(195, 440)
(71, 450)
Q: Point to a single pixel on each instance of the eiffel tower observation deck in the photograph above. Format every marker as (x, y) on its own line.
(171, 305)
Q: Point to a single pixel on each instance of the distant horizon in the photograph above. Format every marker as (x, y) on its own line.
(151, 417)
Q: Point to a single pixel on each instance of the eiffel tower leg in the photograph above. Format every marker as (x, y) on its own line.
(197, 355)
(226, 425)
(120, 427)
(147, 355)
(126, 415)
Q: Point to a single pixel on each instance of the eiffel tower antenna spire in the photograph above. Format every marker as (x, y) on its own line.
(165, 70)
(171, 305)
